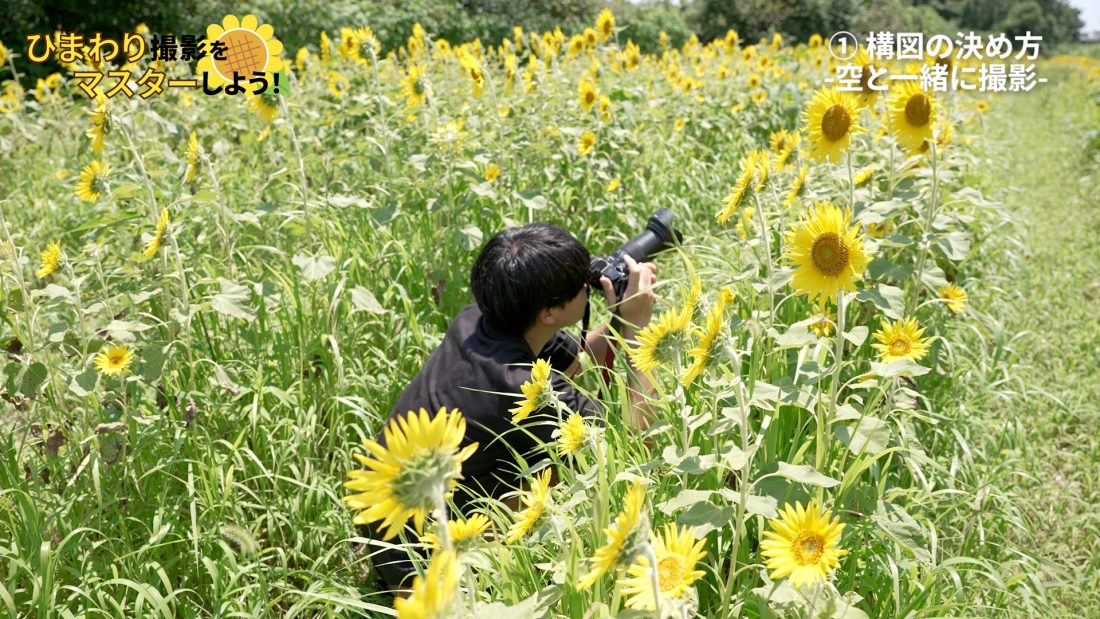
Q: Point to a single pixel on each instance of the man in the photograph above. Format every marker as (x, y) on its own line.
(529, 283)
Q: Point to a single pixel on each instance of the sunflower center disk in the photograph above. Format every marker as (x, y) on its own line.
(829, 254)
(670, 572)
(899, 347)
(808, 548)
(918, 110)
(835, 123)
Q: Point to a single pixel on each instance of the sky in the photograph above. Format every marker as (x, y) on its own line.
(1090, 13)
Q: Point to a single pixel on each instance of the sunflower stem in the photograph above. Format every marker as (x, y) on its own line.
(827, 414)
(768, 255)
(655, 577)
(301, 164)
(851, 183)
(742, 408)
(929, 215)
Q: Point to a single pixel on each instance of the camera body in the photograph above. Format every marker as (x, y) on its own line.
(657, 236)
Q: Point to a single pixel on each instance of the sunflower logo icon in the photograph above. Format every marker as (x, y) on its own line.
(250, 47)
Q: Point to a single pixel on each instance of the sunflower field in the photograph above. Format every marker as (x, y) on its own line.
(210, 303)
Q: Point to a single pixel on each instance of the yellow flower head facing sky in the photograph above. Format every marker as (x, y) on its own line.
(802, 545)
(827, 252)
(463, 534)
(115, 360)
(620, 537)
(419, 463)
(677, 551)
(901, 339)
(831, 118)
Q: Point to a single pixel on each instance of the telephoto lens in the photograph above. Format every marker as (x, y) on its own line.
(659, 234)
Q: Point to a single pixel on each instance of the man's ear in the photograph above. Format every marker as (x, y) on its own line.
(548, 317)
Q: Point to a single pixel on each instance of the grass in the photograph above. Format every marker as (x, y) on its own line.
(316, 262)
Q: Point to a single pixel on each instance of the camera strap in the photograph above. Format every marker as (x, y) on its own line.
(609, 357)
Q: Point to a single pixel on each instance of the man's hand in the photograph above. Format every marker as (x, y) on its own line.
(636, 308)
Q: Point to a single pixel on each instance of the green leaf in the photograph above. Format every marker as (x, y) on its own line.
(856, 335)
(84, 384)
(314, 267)
(889, 299)
(686, 498)
(706, 517)
(955, 245)
(805, 474)
(33, 377)
(870, 436)
(363, 300)
(688, 460)
(795, 337)
(469, 237)
(900, 367)
(231, 301)
(126, 191)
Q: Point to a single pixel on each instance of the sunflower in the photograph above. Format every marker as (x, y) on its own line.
(864, 175)
(867, 70)
(676, 550)
(783, 143)
(797, 186)
(679, 124)
(737, 192)
(901, 339)
(153, 245)
(472, 68)
(405, 477)
(827, 252)
(802, 544)
(537, 392)
(754, 81)
(263, 50)
(604, 108)
(101, 123)
(587, 95)
(51, 258)
(463, 534)
(613, 185)
(911, 116)
(492, 172)
(337, 83)
(414, 88)
(660, 341)
(265, 105)
(114, 361)
(573, 433)
(586, 143)
(709, 344)
(763, 167)
(955, 298)
(621, 543)
(605, 24)
(194, 152)
(745, 224)
(830, 121)
(534, 505)
(93, 181)
(353, 41)
(433, 595)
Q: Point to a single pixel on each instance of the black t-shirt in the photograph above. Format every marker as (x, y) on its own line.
(473, 370)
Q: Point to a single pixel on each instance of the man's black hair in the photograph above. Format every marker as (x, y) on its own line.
(522, 271)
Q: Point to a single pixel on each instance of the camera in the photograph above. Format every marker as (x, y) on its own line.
(657, 236)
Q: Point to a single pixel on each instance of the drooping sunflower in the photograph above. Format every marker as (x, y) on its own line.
(586, 143)
(661, 340)
(827, 251)
(114, 361)
(433, 595)
(414, 88)
(955, 298)
(797, 186)
(101, 122)
(574, 431)
(93, 181)
(802, 545)
(534, 505)
(621, 537)
(587, 95)
(709, 344)
(194, 153)
(537, 392)
(472, 68)
(740, 187)
(676, 550)
(831, 118)
(464, 534)
(405, 477)
(912, 114)
(264, 105)
(153, 245)
(51, 258)
(783, 143)
(901, 339)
